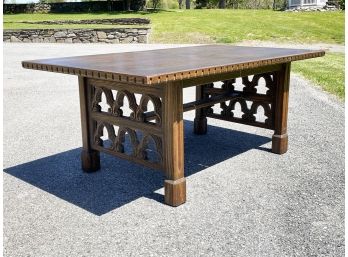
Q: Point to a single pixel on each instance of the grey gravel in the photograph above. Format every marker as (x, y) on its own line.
(242, 199)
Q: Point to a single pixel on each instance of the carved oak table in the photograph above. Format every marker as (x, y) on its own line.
(156, 79)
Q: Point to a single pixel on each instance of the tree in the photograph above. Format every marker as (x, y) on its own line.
(180, 4)
(128, 5)
(155, 4)
(222, 4)
(188, 4)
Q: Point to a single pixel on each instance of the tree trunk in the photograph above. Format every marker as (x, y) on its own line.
(109, 5)
(128, 5)
(188, 4)
(222, 4)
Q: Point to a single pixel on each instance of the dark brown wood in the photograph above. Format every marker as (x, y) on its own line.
(134, 88)
(194, 81)
(90, 160)
(175, 185)
(165, 65)
(248, 99)
(200, 121)
(135, 126)
(152, 165)
(158, 77)
(281, 99)
(128, 123)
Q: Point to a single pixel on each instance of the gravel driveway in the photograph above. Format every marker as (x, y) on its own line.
(242, 199)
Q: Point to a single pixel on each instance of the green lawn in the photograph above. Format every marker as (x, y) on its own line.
(231, 26)
(327, 71)
(214, 25)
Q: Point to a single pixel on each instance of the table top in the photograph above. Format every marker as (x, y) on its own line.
(164, 65)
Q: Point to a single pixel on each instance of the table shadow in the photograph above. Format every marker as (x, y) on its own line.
(120, 182)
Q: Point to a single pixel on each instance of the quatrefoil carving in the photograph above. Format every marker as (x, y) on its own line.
(227, 110)
(137, 111)
(266, 109)
(144, 101)
(97, 99)
(143, 147)
(249, 114)
(251, 85)
(121, 136)
(119, 102)
(254, 98)
(100, 131)
(138, 147)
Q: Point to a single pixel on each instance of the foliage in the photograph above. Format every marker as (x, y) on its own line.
(162, 4)
(155, 4)
(341, 3)
(169, 4)
(137, 5)
(279, 4)
(236, 4)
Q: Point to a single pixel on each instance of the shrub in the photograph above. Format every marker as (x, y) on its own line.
(341, 4)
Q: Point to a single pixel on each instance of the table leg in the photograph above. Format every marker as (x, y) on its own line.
(173, 147)
(280, 137)
(90, 159)
(200, 121)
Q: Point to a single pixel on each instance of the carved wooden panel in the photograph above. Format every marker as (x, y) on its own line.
(134, 143)
(127, 124)
(115, 100)
(250, 100)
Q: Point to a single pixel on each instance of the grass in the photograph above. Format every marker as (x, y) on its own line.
(327, 72)
(221, 26)
(231, 26)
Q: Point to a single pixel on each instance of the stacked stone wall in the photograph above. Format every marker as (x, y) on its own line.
(113, 36)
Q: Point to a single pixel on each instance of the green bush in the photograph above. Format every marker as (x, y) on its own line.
(169, 4)
(138, 5)
(241, 4)
(163, 4)
(341, 4)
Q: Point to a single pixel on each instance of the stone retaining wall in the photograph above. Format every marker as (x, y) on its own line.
(113, 36)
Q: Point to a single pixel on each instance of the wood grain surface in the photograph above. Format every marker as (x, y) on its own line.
(165, 65)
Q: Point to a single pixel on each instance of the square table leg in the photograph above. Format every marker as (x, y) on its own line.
(90, 159)
(281, 98)
(173, 130)
(200, 121)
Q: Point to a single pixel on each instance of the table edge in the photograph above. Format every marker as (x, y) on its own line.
(169, 77)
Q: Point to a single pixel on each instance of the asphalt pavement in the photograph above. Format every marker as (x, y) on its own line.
(242, 200)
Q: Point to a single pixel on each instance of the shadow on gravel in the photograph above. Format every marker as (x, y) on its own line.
(120, 182)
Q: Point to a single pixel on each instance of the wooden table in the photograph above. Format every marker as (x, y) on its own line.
(155, 137)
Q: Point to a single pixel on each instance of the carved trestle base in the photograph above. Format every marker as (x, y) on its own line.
(257, 100)
(119, 125)
(144, 124)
